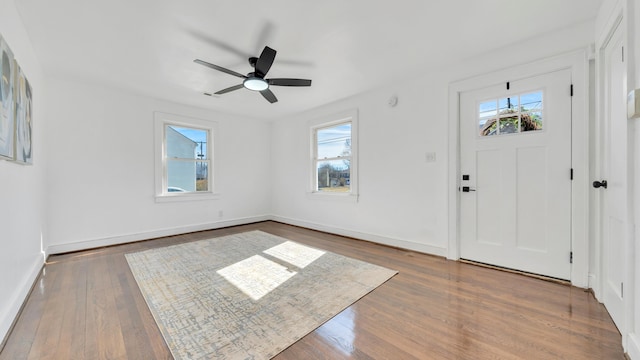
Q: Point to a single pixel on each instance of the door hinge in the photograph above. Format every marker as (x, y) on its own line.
(508, 85)
(623, 54)
(571, 173)
(571, 257)
(571, 89)
(622, 290)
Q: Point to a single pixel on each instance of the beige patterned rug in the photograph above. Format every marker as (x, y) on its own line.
(246, 296)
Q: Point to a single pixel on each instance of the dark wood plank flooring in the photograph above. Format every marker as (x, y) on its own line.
(86, 305)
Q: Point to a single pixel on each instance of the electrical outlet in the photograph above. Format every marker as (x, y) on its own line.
(430, 157)
(220, 213)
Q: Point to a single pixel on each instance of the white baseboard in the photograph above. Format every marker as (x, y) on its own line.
(122, 239)
(633, 346)
(593, 285)
(405, 244)
(19, 297)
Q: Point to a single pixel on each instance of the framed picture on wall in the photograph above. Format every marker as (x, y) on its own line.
(23, 139)
(7, 101)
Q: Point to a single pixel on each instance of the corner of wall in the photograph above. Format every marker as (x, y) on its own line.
(22, 193)
(633, 346)
(17, 300)
(271, 183)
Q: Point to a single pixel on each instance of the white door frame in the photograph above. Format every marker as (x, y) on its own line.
(615, 21)
(578, 63)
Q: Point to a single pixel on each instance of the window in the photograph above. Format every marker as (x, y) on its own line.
(184, 165)
(511, 115)
(334, 155)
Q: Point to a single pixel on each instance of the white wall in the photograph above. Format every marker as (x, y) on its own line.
(22, 218)
(395, 182)
(403, 199)
(100, 182)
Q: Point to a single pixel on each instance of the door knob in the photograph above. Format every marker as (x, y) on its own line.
(598, 184)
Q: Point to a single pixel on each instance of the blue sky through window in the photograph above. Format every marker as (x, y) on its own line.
(196, 135)
(528, 102)
(334, 141)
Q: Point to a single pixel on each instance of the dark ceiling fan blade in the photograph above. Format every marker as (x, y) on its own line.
(265, 35)
(285, 61)
(218, 43)
(289, 82)
(230, 89)
(269, 96)
(219, 68)
(265, 61)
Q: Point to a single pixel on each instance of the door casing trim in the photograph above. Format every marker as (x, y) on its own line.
(616, 21)
(578, 63)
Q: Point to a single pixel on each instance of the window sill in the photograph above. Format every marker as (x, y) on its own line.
(318, 195)
(177, 197)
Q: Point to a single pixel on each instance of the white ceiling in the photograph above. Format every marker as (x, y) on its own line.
(345, 47)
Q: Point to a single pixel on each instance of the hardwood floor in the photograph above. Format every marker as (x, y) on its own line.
(86, 305)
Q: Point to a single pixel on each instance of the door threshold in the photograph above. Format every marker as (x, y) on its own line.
(520, 272)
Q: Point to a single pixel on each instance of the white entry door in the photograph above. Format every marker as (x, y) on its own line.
(614, 195)
(515, 200)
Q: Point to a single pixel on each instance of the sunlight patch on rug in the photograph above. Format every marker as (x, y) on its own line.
(256, 276)
(248, 295)
(295, 254)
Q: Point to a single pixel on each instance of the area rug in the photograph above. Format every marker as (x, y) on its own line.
(246, 296)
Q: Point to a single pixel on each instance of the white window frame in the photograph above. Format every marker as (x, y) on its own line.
(161, 120)
(326, 122)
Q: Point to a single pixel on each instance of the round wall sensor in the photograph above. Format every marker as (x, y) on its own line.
(393, 101)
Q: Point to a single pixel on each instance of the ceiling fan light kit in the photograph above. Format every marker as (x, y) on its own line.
(255, 81)
(255, 84)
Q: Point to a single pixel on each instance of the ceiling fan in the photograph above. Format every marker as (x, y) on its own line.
(255, 80)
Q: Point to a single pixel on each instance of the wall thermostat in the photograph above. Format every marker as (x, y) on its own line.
(633, 104)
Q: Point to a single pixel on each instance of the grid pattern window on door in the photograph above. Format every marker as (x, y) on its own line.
(332, 158)
(511, 115)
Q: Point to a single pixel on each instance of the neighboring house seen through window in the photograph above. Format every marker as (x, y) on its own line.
(184, 150)
(187, 161)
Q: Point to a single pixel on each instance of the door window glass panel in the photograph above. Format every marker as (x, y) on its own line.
(489, 127)
(531, 111)
(531, 121)
(488, 109)
(486, 121)
(508, 105)
(511, 115)
(509, 125)
(532, 102)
